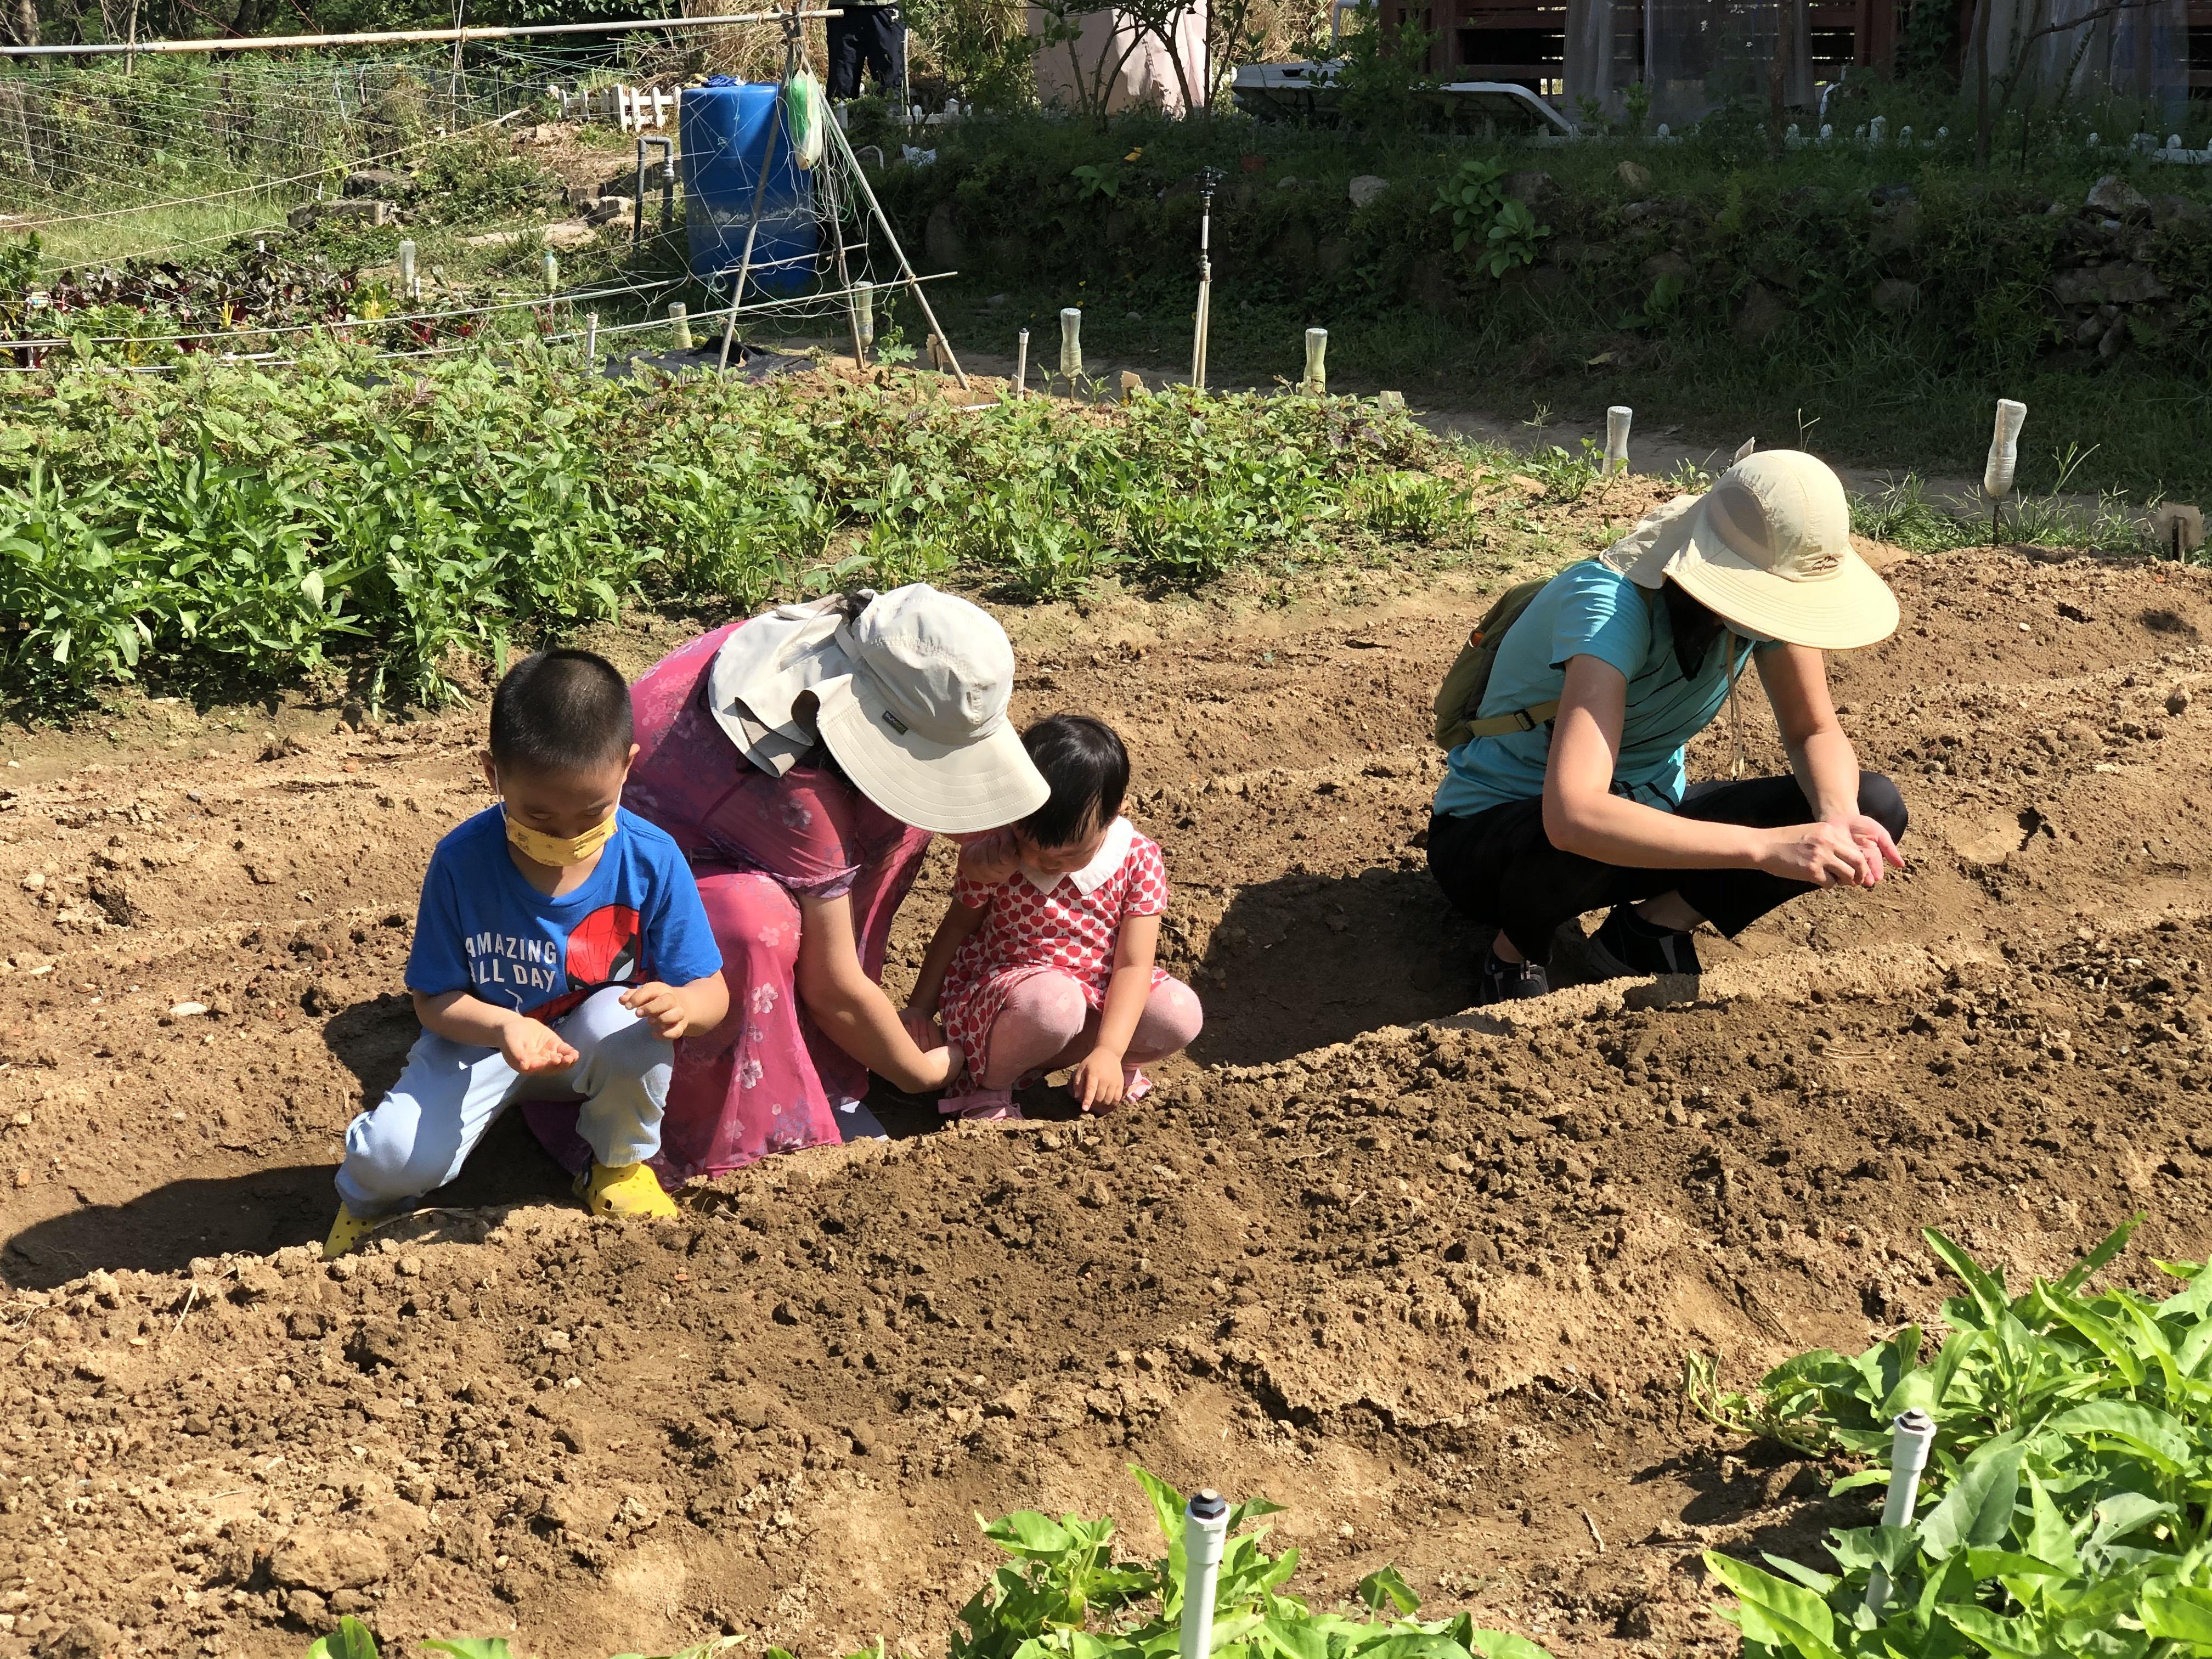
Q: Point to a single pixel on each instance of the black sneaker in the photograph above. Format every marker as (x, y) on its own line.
(1499, 980)
(1639, 948)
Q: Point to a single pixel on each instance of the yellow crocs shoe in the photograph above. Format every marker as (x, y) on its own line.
(624, 1190)
(347, 1231)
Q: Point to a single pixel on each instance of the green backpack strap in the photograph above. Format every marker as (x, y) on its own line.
(1521, 719)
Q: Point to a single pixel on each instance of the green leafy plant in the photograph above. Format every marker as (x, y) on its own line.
(232, 527)
(1398, 505)
(1101, 178)
(1635, 104)
(1382, 75)
(1067, 1592)
(2064, 1509)
(1472, 195)
(352, 1640)
(1502, 231)
(1511, 241)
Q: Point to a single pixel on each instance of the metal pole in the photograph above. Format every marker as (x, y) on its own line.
(906, 268)
(1209, 180)
(1022, 366)
(1204, 1533)
(133, 46)
(752, 228)
(1908, 1456)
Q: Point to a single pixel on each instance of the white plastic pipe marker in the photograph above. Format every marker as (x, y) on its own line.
(2004, 449)
(864, 311)
(1022, 364)
(1316, 380)
(1617, 421)
(1908, 1456)
(1205, 1532)
(1071, 341)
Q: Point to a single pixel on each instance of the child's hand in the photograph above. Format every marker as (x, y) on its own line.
(921, 1025)
(662, 1007)
(1096, 1082)
(990, 858)
(530, 1045)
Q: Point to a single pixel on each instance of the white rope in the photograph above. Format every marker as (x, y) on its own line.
(243, 328)
(272, 184)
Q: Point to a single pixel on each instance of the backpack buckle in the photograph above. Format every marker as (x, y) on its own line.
(1521, 720)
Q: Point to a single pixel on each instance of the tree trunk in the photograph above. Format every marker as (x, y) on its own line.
(19, 23)
(1978, 51)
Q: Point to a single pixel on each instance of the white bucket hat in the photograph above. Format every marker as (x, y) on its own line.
(1767, 548)
(919, 723)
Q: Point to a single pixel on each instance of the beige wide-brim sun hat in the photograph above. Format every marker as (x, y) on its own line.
(1768, 549)
(920, 724)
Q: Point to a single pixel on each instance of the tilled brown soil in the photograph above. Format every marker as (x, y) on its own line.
(1428, 1277)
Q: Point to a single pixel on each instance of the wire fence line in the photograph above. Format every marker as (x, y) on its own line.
(580, 296)
(70, 130)
(260, 134)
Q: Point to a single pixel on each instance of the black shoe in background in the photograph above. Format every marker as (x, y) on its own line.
(1499, 980)
(1641, 948)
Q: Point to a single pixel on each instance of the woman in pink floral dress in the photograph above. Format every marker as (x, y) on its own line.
(802, 759)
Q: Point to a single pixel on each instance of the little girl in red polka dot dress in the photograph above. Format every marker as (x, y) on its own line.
(1045, 959)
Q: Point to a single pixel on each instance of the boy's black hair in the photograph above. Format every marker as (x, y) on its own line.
(1088, 770)
(561, 711)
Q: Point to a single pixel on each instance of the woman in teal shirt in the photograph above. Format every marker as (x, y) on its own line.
(1616, 663)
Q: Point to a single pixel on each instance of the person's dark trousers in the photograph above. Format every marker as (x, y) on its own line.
(866, 37)
(1499, 867)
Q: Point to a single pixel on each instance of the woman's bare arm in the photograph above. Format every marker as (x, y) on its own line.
(1820, 753)
(852, 1009)
(1582, 815)
(960, 921)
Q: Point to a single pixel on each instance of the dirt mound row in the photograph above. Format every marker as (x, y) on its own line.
(1427, 1277)
(1380, 1279)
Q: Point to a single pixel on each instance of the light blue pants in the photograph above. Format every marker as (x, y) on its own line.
(450, 1093)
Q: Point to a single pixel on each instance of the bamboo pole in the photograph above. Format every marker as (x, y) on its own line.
(752, 225)
(392, 37)
(906, 268)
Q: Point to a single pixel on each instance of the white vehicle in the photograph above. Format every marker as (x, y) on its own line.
(1307, 92)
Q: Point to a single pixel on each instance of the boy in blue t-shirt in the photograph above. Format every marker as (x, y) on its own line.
(560, 948)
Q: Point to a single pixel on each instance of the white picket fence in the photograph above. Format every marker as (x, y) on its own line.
(633, 109)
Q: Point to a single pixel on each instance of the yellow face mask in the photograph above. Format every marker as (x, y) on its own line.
(542, 848)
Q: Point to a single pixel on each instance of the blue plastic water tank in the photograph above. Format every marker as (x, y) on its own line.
(723, 129)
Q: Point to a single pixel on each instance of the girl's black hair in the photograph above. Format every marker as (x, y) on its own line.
(1088, 770)
(1694, 627)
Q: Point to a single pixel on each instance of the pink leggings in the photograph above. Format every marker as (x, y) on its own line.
(1047, 1024)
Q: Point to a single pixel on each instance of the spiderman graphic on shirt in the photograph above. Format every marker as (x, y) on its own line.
(607, 947)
